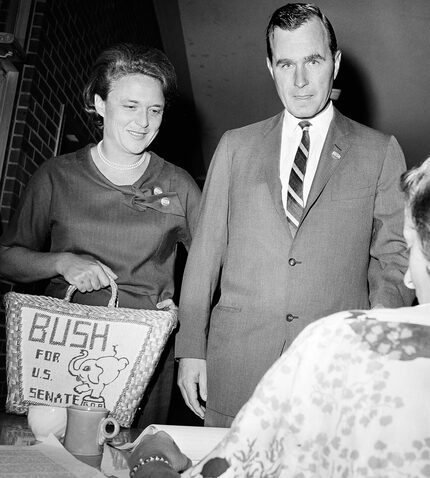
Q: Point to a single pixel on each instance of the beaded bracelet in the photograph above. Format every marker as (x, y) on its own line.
(149, 459)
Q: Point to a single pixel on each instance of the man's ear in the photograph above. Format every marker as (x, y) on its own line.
(269, 66)
(337, 58)
(99, 105)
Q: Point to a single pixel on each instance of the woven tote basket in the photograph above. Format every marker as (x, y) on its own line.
(61, 354)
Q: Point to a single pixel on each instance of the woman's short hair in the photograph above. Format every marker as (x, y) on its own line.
(416, 186)
(125, 59)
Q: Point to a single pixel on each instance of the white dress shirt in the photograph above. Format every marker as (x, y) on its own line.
(291, 136)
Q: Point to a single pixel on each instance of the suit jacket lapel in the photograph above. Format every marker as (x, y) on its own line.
(270, 151)
(335, 147)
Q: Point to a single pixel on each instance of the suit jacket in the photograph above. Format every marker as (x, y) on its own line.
(348, 251)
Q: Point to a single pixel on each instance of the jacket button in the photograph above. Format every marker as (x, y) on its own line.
(292, 262)
(291, 317)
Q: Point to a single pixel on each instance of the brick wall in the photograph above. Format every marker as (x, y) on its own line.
(7, 11)
(64, 38)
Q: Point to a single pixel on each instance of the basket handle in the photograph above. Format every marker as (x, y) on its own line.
(113, 302)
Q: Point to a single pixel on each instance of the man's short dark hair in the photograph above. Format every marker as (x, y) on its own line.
(294, 15)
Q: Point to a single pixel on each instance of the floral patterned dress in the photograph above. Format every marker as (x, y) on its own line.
(350, 398)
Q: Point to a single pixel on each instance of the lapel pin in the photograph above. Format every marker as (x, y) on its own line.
(335, 155)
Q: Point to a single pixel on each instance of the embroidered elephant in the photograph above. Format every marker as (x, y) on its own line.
(95, 373)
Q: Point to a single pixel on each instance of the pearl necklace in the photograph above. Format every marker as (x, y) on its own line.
(118, 166)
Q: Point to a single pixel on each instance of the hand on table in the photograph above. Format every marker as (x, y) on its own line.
(84, 272)
(192, 381)
(159, 444)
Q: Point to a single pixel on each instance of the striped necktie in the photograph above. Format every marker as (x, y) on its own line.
(295, 203)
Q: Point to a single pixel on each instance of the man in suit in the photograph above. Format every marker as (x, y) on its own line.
(301, 217)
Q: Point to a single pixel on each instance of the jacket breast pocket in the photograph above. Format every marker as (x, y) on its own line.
(227, 308)
(351, 193)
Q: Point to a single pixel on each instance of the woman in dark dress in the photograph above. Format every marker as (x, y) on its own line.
(112, 209)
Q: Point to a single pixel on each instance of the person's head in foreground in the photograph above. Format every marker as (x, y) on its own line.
(416, 186)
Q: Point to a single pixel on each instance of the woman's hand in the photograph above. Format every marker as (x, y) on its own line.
(159, 444)
(84, 272)
(167, 304)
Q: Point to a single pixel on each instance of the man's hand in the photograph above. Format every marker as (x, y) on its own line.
(192, 382)
(84, 272)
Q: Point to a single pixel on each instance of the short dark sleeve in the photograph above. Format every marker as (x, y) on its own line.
(30, 225)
